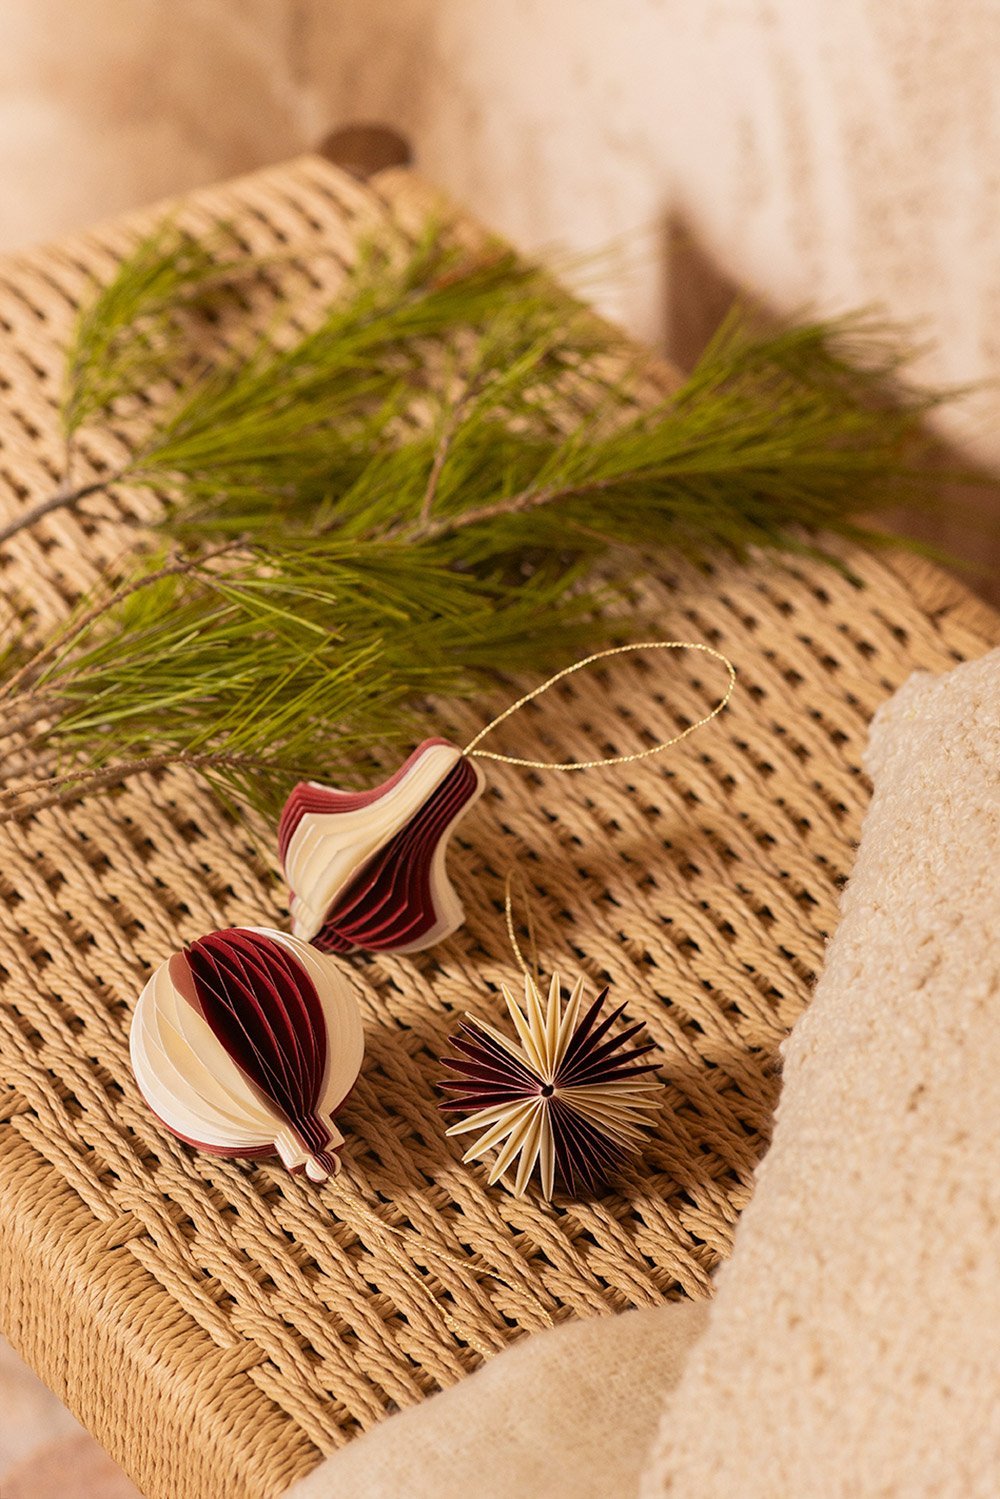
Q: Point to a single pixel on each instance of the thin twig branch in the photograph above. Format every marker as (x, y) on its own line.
(63, 499)
(11, 727)
(448, 431)
(517, 504)
(449, 427)
(78, 784)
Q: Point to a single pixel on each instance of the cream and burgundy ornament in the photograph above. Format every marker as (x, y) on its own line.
(366, 869)
(246, 1044)
(569, 1095)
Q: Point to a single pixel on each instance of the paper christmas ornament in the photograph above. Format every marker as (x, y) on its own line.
(567, 1096)
(366, 869)
(246, 1043)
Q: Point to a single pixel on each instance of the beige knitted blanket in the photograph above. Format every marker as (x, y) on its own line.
(853, 1348)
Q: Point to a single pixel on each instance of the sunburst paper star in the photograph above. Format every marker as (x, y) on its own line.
(567, 1096)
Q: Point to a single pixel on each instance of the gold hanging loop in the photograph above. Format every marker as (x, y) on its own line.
(472, 749)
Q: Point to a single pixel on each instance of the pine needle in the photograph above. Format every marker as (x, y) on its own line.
(138, 326)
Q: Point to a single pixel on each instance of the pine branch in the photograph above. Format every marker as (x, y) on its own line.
(419, 490)
(771, 433)
(284, 663)
(292, 414)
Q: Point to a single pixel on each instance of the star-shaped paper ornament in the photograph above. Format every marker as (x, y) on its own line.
(567, 1096)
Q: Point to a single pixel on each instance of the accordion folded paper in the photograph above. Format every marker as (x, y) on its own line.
(366, 869)
(567, 1096)
(246, 1043)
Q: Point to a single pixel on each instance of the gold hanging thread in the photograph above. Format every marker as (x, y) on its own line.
(509, 913)
(473, 752)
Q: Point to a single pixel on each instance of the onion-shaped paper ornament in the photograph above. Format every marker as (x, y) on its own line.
(569, 1096)
(246, 1043)
(366, 869)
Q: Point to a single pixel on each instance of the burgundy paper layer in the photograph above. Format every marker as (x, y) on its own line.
(390, 901)
(263, 1009)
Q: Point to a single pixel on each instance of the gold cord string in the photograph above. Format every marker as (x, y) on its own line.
(508, 910)
(567, 671)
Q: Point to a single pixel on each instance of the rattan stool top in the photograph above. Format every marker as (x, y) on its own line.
(220, 1326)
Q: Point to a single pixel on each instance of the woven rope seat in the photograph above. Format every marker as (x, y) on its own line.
(221, 1326)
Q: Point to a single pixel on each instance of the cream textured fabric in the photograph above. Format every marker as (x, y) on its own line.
(852, 1348)
(570, 1412)
(854, 1345)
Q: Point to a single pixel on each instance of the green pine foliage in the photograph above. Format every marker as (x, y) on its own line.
(142, 322)
(417, 490)
(260, 669)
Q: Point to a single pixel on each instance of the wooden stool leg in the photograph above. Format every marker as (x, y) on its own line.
(364, 150)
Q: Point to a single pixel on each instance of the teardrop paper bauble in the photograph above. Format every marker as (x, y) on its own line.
(366, 869)
(246, 1044)
(569, 1099)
